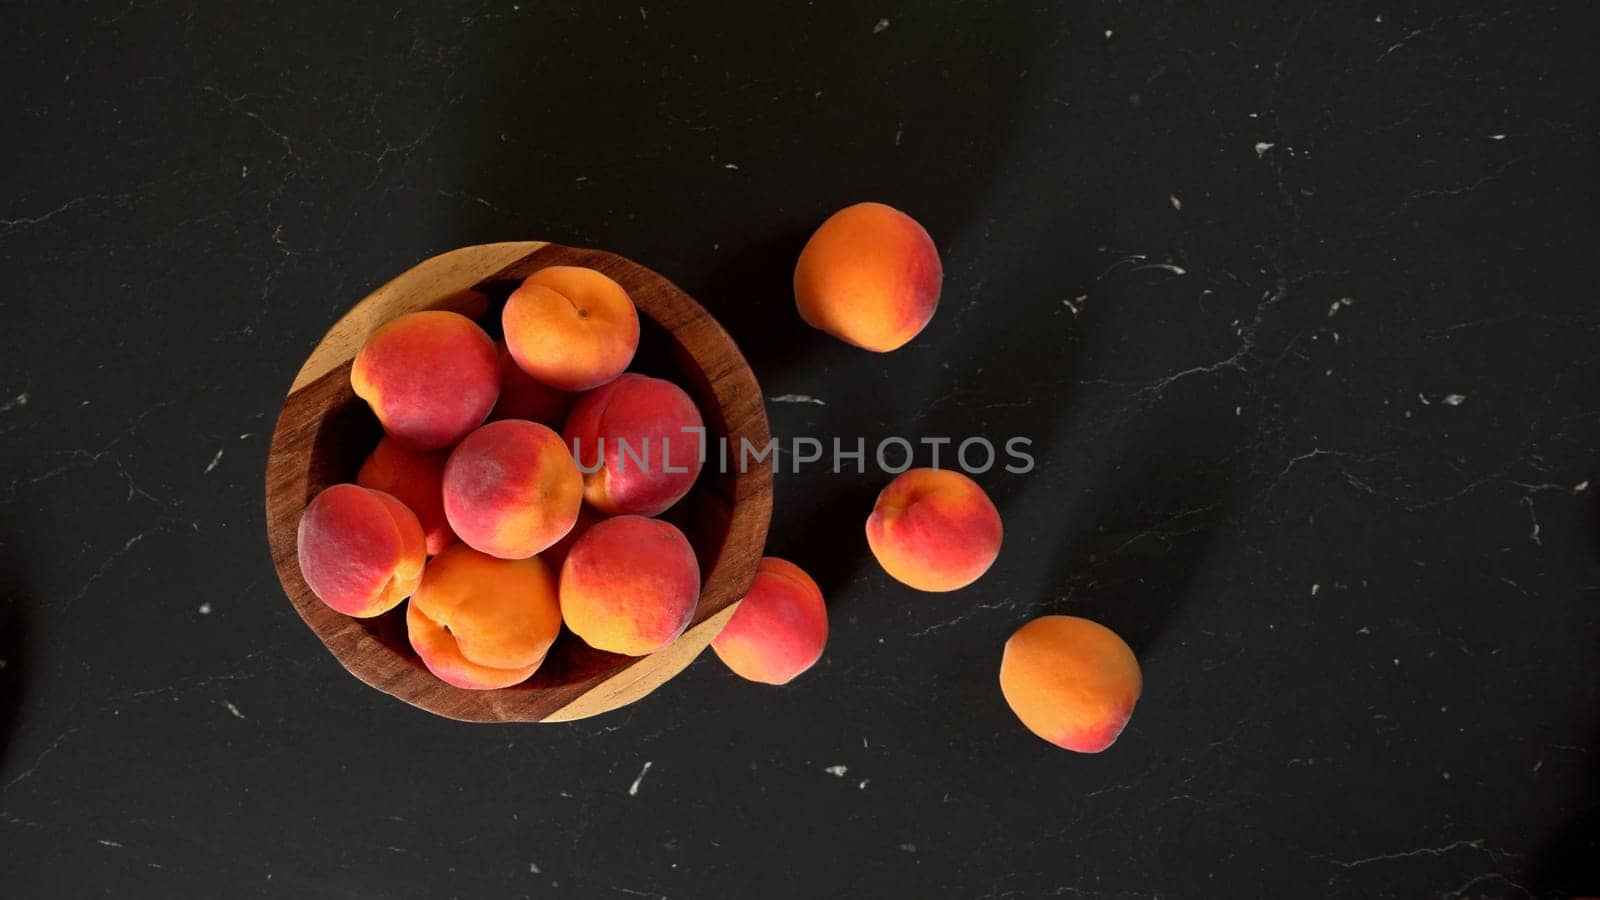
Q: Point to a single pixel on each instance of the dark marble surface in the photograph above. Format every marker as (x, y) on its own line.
(1298, 304)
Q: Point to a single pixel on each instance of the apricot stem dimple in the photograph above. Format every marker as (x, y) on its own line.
(566, 354)
(582, 313)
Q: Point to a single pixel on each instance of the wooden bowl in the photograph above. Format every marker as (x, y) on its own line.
(324, 432)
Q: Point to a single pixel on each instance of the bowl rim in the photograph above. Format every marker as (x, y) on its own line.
(455, 280)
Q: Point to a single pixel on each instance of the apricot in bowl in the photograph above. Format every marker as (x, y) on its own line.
(325, 431)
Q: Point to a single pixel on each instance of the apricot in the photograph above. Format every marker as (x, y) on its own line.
(637, 444)
(524, 397)
(480, 622)
(511, 489)
(430, 377)
(415, 479)
(869, 276)
(780, 627)
(934, 530)
(570, 327)
(1071, 681)
(361, 551)
(629, 585)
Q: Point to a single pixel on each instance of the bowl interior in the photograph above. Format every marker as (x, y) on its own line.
(724, 516)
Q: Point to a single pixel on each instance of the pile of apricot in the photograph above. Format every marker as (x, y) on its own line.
(502, 530)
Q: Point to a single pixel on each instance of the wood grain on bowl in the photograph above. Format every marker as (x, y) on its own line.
(324, 432)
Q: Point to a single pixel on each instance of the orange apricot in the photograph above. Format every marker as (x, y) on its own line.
(570, 327)
(481, 622)
(1071, 681)
(869, 276)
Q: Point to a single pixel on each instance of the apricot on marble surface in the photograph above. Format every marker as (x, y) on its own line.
(1071, 681)
(780, 627)
(869, 276)
(934, 530)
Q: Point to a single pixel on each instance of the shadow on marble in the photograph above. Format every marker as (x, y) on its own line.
(937, 154)
(13, 640)
(1569, 865)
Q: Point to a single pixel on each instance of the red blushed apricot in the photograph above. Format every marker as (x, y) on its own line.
(480, 622)
(570, 327)
(524, 397)
(780, 627)
(1071, 681)
(934, 529)
(430, 377)
(361, 551)
(870, 276)
(415, 479)
(511, 489)
(637, 440)
(629, 585)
